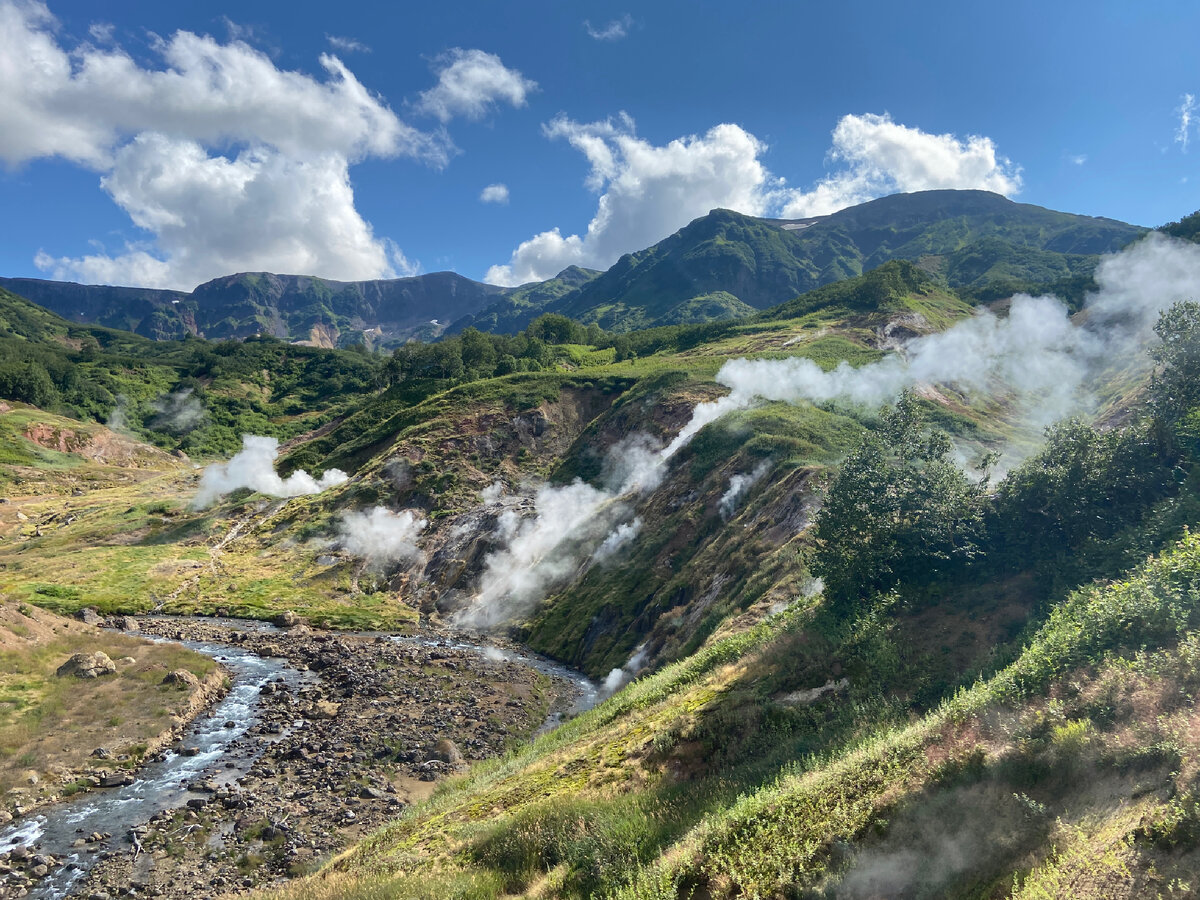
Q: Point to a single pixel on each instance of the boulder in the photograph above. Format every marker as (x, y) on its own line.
(128, 623)
(89, 616)
(287, 619)
(447, 751)
(88, 665)
(181, 676)
(324, 709)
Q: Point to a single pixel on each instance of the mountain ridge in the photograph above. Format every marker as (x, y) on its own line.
(720, 266)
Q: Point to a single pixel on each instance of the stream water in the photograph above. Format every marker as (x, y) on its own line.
(162, 785)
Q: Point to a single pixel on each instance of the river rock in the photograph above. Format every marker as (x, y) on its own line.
(447, 751)
(87, 665)
(181, 676)
(89, 616)
(287, 619)
(324, 709)
(128, 623)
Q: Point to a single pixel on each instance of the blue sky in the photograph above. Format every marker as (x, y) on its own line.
(164, 144)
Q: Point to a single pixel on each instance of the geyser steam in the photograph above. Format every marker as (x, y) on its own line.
(381, 536)
(254, 467)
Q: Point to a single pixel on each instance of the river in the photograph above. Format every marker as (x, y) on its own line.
(163, 784)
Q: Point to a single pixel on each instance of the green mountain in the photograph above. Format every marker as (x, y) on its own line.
(523, 304)
(980, 243)
(721, 266)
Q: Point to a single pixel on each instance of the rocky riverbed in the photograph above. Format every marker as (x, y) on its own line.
(377, 723)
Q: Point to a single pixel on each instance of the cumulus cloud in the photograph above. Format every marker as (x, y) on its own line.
(494, 193)
(212, 215)
(254, 467)
(877, 156)
(194, 147)
(346, 45)
(471, 83)
(646, 191)
(1184, 132)
(613, 31)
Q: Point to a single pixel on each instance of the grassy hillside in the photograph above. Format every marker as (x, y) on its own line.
(192, 395)
(1070, 769)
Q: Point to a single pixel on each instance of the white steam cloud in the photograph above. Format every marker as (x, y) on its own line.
(382, 536)
(254, 468)
(739, 486)
(573, 525)
(618, 678)
(178, 412)
(1036, 354)
(617, 540)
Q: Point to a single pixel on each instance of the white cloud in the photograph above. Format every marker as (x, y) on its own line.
(613, 31)
(215, 215)
(195, 151)
(1185, 110)
(879, 156)
(346, 45)
(82, 104)
(1077, 159)
(471, 83)
(494, 193)
(648, 191)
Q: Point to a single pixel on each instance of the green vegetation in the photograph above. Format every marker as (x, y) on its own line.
(48, 721)
(192, 395)
(989, 695)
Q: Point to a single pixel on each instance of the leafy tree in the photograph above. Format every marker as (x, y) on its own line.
(900, 514)
(1083, 488)
(28, 382)
(478, 353)
(1175, 385)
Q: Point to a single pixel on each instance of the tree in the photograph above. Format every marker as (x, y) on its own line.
(1175, 385)
(27, 382)
(1083, 488)
(900, 514)
(478, 353)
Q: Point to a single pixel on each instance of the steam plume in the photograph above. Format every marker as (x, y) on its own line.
(178, 412)
(1036, 353)
(739, 486)
(618, 678)
(381, 536)
(573, 524)
(254, 467)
